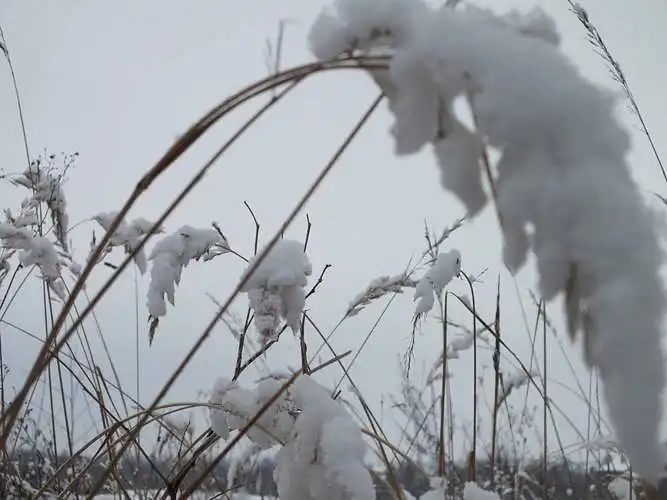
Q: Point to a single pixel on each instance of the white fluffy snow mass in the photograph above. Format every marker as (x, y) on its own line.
(434, 281)
(127, 235)
(276, 287)
(473, 492)
(322, 448)
(46, 188)
(36, 251)
(438, 489)
(562, 173)
(621, 488)
(174, 252)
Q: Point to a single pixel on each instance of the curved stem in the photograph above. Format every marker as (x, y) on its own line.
(195, 132)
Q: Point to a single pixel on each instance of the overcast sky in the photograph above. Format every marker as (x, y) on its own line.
(119, 81)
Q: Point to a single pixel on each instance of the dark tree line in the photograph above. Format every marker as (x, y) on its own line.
(563, 481)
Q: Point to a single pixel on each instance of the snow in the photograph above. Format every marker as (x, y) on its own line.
(621, 488)
(322, 449)
(18, 238)
(275, 287)
(46, 188)
(514, 381)
(42, 253)
(434, 281)
(458, 159)
(28, 219)
(285, 265)
(378, 288)
(127, 235)
(563, 190)
(438, 489)
(170, 255)
(461, 342)
(473, 492)
(142, 495)
(36, 251)
(324, 458)
(234, 406)
(562, 172)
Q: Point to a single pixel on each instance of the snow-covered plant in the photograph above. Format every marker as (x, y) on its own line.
(46, 188)
(11, 484)
(234, 406)
(247, 462)
(276, 287)
(621, 488)
(169, 256)
(379, 287)
(127, 235)
(24, 232)
(471, 491)
(38, 251)
(514, 381)
(562, 188)
(322, 448)
(434, 281)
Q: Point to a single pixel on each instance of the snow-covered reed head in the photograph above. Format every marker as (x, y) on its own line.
(275, 287)
(39, 246)
(322, 448)
(169, 257)
(127, 235)
(562, 189)
(46, 187)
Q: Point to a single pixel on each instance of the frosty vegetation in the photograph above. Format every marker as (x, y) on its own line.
(127, 236)
(561, 188)
(275, 287)
(170, 256)
(35, 249)
(434, 281)
(323, 450)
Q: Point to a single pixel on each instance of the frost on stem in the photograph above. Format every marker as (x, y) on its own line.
(621, 488)
(169, 256)
(276, 287)
(322, 448)
(562, 172)
(25, 232)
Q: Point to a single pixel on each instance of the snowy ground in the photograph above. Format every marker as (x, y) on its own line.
(144, 495)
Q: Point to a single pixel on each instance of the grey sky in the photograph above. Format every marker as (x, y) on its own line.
(118, 81)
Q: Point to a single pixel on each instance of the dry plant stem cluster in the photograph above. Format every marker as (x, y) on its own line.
(46, 353)
(206, 333)
(293, 77)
